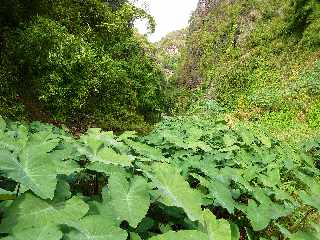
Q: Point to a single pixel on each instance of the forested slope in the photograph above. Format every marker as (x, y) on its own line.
(260, 58)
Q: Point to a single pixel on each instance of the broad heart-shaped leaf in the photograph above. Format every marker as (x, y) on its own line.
(107, 155)
(312, 197)
(33, 168)
(182, 235)
(216, 229)
(229, 139)
(95, 139)
(92, 139)
(130, 201)
(264, 139)
(222, 195)
(175, 191)
(220, 191)
(48, 232)
(246, 135)
(14, 140)
(107, 169)
(29, 211)
(260, 216)
(145, 150)
(96, 228)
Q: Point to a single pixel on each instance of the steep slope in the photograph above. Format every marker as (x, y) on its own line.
(258, 57)
(169, 51)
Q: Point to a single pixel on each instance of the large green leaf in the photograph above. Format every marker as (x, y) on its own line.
(14, 140)
(216, 229)
(107, 169)
(48, 232)
(182, 235)
(108, 156)
(261, 215)
(222, 195)
(312, 196)
(175, 191)
(29, 211)
(310, 199)
(130, 201)
(33, 168)
(145, 150)
(96, 228)
(97, 146)
(93, 139)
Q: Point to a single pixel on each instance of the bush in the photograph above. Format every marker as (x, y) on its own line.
(85, 62)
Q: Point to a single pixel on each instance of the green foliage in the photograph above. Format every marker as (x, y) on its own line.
(169, 51)
(76, 61)
(188, 179)
(252, 56)
(130, 201)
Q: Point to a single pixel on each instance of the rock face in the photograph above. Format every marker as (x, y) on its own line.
(204, 6)
(169, 51)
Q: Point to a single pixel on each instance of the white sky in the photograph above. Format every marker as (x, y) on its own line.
(170, 15)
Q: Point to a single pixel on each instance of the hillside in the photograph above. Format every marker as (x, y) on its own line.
(169, 50)
(260, 59)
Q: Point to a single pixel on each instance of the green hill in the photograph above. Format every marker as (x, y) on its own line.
(259, 58)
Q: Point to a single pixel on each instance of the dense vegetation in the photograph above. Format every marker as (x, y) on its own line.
(259, 58)
(169, 50)
(242, 162)
(171, 184)
(80, 63)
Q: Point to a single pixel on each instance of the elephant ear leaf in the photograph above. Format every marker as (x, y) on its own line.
(175, 190)
(216, 229)
(130, 201)
(33, 167)
(49, 232)
(96, 228)
(29, 211)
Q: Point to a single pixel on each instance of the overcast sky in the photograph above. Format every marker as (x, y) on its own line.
(170, 15)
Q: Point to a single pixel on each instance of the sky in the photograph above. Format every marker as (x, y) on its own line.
(170, 15)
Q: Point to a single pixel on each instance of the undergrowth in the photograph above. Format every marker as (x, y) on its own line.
(191, 178)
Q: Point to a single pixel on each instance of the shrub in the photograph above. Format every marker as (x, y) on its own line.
(85, 62)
